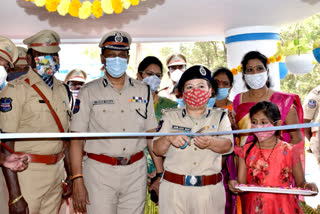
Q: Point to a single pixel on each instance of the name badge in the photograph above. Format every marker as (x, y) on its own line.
(101, 102)
(181, 128)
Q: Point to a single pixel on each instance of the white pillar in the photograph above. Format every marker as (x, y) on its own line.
(239, 41)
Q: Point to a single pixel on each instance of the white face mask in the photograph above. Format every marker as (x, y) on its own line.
(256, 81)
(3, 75)
(176, 75)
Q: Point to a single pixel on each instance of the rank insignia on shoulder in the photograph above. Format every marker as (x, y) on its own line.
(76, 106)
(312, 104)
(5, 104)
(138, 100)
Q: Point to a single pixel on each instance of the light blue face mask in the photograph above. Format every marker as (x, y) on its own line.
(116, 66)
(211, 102)
(153, 82)
(180, 102)
(222, 93)
(2, 86)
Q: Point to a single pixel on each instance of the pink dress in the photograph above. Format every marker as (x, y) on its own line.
(275, 171)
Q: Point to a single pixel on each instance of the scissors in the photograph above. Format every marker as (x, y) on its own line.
(200, 130)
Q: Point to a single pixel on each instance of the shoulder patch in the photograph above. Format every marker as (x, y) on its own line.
(312, 103)
(76, 106)
(5, 104)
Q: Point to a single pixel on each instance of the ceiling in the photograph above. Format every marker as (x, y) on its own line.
(156, 20)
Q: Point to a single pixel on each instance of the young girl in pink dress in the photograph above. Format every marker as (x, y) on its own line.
(269, 161)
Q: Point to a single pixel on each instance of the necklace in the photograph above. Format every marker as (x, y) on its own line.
(264, 94)
(274, 146)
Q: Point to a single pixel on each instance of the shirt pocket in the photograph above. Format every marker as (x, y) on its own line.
(138, 112)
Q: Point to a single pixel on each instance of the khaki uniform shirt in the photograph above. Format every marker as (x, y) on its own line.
(100, 107)
(311, 106)
(193, 160)
(22, 110)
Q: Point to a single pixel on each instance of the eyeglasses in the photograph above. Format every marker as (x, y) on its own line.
(150, 73)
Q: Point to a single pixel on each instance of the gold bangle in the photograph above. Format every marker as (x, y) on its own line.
(305, 184)
(15, 200)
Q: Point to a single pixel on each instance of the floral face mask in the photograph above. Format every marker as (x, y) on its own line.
(47, 66)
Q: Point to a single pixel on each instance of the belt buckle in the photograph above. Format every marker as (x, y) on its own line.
(191, 180)
(122, 161)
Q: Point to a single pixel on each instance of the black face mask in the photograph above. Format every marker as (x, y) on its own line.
(14, 75)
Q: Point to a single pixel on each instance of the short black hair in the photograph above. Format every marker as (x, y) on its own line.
(223, 70)
(149, 60)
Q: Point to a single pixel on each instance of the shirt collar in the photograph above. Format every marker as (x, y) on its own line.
(127, 82)
(206, 113)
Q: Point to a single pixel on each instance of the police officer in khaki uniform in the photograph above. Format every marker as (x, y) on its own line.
(38, 188)
(21, 66)
(311, 112)
(8, 56)
(75, 79)
(192, 181)
(113, 178)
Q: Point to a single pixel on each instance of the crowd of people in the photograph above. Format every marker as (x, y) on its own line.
(168, 173)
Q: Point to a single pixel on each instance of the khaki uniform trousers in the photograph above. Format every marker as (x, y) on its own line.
(115, 189)
(178, 199)
(41, 187)
(315, 146)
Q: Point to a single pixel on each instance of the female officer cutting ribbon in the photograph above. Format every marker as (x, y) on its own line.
(192, 182)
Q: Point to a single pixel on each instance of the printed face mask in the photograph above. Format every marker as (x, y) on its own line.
(3, 76)
(153, 82)
(222, 93)
(176, 75)
(256, 81)
(196, 97)
(262, 136)
(47, 66)
(116, 66)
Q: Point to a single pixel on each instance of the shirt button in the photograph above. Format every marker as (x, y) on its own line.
(194, 163)
(124, 149)
(123, 129)
(120, 93)
(196, 124)
(104, 110)
(122, 111)
(139, 109)
(195, 149)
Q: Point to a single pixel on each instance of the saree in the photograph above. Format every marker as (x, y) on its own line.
(163, 103)
(229, 172)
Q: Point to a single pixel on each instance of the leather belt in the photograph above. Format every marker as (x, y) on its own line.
(190, 180)
(116, 161)
(47, 159)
